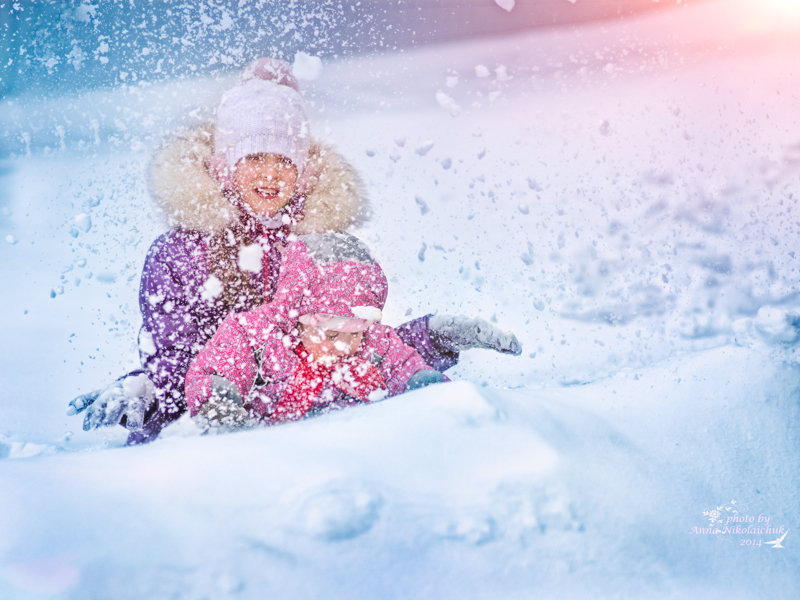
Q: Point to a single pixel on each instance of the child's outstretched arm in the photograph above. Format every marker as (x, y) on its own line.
(440, 339)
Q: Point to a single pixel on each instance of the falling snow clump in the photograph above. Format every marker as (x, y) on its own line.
(250, 258)
(507, 5)
(307, 67)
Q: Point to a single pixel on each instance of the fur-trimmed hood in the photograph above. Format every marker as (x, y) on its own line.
(190, 198)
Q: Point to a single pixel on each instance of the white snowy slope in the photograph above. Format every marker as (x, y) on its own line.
(622, 195)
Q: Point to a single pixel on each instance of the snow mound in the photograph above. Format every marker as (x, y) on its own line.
(500, 493)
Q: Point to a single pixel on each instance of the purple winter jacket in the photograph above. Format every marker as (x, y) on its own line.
(179, 315)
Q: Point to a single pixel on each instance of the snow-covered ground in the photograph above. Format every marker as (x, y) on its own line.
(622, 195)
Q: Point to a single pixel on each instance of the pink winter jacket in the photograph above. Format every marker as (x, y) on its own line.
(245, 340)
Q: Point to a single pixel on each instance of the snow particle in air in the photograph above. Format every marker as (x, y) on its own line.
(447, 103)
(424, 147)
(250, 258)
(481, 71)
(211, 289)
(527, 257)
(306, 67)
(501, 72)
(506, 5)
(105, 277)
(82, 223)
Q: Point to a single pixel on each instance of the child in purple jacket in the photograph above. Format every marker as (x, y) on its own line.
(233, 192)
(317, 346)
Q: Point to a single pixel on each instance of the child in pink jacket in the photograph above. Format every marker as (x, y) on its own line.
(317, 346)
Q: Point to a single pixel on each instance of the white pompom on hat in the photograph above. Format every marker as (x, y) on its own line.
(266, 114)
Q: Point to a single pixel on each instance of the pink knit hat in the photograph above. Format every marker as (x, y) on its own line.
(330, 280)
(263, 114)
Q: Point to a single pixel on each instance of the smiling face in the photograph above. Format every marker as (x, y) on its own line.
(328, 344)
(265, 182)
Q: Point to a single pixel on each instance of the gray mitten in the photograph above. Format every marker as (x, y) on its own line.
(129, 397)
(224, 410)
(462, 333)
(223, 415)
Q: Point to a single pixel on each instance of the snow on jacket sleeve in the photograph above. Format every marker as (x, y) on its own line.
(399, 361)
(229, 355)
(176, 319)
